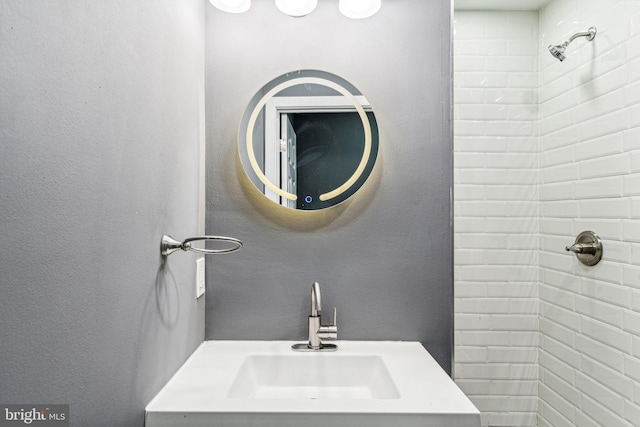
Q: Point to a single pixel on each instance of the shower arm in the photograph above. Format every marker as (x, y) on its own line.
(589, 34)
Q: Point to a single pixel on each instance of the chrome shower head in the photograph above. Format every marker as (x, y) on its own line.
(558, 50)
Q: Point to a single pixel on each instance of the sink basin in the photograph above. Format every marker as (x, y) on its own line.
(266, 384)
(295, 377)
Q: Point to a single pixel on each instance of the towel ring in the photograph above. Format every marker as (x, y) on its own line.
(169, 245)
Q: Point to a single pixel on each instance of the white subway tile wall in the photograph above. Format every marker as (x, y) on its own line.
(544, 150)
(589, 316)
(496, 213)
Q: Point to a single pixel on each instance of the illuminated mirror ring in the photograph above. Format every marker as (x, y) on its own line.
(319, 81)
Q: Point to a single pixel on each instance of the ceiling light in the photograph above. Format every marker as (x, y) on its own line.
(296, 8)
(358, 9)
(232, 6)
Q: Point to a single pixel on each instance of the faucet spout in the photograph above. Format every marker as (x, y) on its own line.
(316, 299)
(318, 331)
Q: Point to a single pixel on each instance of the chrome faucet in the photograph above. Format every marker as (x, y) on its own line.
(318, 332)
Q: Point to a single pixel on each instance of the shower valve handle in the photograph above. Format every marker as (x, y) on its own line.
(587, 247)
(581, 248)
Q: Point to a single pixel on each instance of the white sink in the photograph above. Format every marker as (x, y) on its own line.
(293, 377)
(266, 384)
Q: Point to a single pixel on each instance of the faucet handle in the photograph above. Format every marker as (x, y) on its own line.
(329, 332)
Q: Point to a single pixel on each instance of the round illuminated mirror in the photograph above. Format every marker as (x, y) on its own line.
(308, 140)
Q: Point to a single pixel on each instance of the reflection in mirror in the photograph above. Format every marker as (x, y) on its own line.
(308, 140)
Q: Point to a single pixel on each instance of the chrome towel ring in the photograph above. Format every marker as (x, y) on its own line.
(169, 245)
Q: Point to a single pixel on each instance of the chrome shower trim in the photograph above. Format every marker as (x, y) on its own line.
(590, 34)
(558, 50)
(587, 247)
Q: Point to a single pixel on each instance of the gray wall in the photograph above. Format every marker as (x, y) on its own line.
(100, 111)
(384, 259)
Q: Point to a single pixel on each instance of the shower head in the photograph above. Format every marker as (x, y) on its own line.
(558, 50)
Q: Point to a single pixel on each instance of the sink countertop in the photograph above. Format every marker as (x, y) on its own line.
(198, 394)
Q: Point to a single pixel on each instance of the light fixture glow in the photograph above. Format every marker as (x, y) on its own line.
(232, 6)
(368, 138)
(359, 9)
(296, 8)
